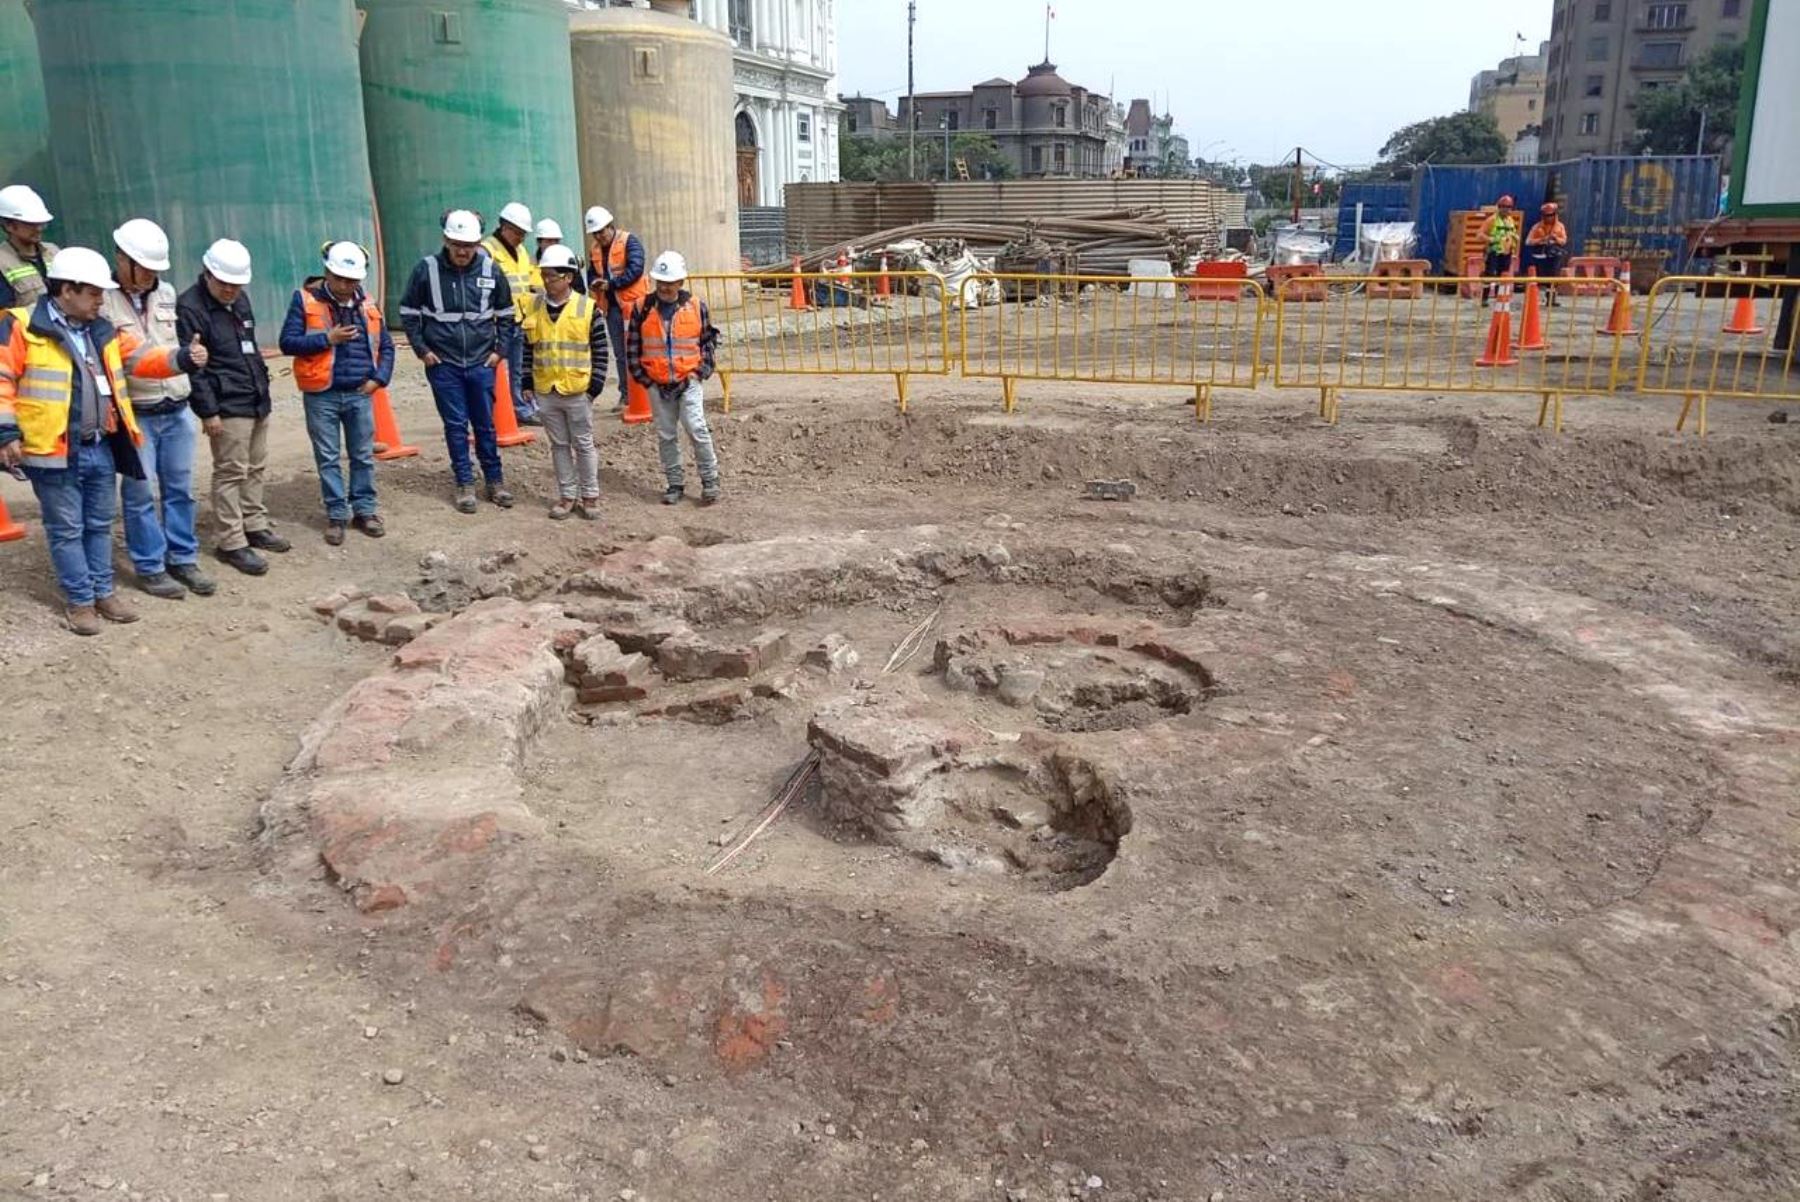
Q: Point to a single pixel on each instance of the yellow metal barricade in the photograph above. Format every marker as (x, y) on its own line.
(1170, 330)
(1337, 334)
(1721, 336)
(828, 323)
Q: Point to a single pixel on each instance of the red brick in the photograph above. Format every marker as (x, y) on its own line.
(393, 603)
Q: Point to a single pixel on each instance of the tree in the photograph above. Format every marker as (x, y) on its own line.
(1458, 138)
(866, 159)
(1669, 119)
(979, 152)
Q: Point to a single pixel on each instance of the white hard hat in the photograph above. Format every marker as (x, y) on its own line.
(559, 256)
(460, 225)
(347, 260)
(19, 203)
(598, 218)
(228, 261)
(144, 243)
(79, 265)
(516, 214)
(547, 228)
(669, 268)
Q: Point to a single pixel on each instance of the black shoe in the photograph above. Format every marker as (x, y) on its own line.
(244, 560)
(268, 540)
(370, 524)
(161, 584)
(500, 495)
(672, 495)
(709, 493)
(531, 419)
(196, 581)
(334, 533)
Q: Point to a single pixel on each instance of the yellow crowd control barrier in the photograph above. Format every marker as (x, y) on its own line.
(1720, 336)
(1168, 330)
(1335, 335)
(827, 323)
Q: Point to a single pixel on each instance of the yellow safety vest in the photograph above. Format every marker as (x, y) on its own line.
(28, 286)
(522, 275)
(562, 357)
(37, 385)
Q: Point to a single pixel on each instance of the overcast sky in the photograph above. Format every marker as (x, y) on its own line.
(1334, 76)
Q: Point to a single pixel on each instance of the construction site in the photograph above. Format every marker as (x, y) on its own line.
(1228, 731)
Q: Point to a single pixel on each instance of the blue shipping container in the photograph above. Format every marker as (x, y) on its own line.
(1380, 202)
(1637, 208)
(1438, 192)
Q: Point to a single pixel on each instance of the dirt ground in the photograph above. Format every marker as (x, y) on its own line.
(1470, 876)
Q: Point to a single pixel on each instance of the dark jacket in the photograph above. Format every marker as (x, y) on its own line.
(634, 336)
(597, 347)
(235, 381)
(468, 319)
(354, 364)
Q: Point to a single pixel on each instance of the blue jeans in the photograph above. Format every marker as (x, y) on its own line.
(615, 334)
(77, 505)
(352, 414)
(465, 401)
(515, 374)
(159, 510)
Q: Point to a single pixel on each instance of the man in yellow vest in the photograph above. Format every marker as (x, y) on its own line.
(506, 246)
(23, 253)
(615, 279)
(565, 369)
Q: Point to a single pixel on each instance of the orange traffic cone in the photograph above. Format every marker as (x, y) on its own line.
(637, 403)
(388, 443)
(506, 422)
(797, 298)
(1618, 323)
(1743, 317)
(883, 289)
(1498, 352)
(1531, 326)
(10, 531)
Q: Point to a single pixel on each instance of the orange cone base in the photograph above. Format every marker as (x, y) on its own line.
(637, 404)
(1743, 319)
(399, 452)
(388, 443)
(1619, 323)
(10, 531)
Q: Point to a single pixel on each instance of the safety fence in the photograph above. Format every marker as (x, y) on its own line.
(1717, 336)
(1164, 330)
(828, 323)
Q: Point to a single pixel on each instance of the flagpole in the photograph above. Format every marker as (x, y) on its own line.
(1047, 11)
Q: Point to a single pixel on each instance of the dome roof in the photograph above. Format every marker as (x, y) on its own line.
(1042, 80)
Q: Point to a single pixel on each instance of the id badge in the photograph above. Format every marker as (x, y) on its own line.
(247, 346)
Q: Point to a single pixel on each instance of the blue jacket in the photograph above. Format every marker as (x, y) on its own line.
(353, 365)
(462, 317)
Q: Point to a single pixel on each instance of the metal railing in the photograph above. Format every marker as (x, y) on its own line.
(1162, 330)
(1720, 336)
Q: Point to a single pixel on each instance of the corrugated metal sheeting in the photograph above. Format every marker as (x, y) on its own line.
(762, 233)
(823, 214)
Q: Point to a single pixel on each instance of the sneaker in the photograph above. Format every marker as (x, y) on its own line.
(562, 510)
(244, 560)
(465, 499)
(709, 493)
(113, 608)
(500, 495)
(193, 579)
(83, 619)
(370, 524)
(588, 509)
(334, 533)
(531, 419)
(161, 584)
(268, 540)
(672, 495)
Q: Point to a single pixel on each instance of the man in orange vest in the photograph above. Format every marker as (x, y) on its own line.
(669, 345)
(343, 354)
(615, 279)
(1545, 244)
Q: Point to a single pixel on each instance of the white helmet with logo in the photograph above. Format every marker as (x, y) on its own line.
(460, 225)
(19, 203)
(547, 228)
(79, 265)
(347, 260)
(598, 218)
(517, 215)
(669, 268)
(228, 261)
(144, 243)
(559, 256)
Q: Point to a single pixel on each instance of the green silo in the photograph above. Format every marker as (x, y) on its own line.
(25, 132)
(470, 104)
(216, 118)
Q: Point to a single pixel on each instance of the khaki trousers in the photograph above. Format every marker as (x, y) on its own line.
(240, 454)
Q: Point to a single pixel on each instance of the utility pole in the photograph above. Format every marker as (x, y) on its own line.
(945, 122)
(912, 104)
(1700, 141)
(1297, 185)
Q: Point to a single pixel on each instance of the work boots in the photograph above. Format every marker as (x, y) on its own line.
(113, 608)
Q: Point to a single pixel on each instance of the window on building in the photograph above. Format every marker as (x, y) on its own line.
(1596, 49)
(852, 119)
(1550, 93)
(1061, 112)
(1590, 123)
(1549, 127)
(990, 119)
(1556, 21)
(952, 120)
(1062, 160)
(1531, 105)
(1665, 55)
(1732, 8)
(1037, 160)
(1602, 10)
(803, 127)
(1594, 87)
(1666, 16)
(739, 19)
(1555, 56)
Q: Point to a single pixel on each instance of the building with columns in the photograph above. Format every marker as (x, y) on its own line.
(787, 99)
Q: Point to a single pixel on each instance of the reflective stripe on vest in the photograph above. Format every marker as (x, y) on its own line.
(562, 357)
(520, 272)
(44, 393)
(672, 353)
(434, 282)
(27, 284)
(156, 327)
(312, 373)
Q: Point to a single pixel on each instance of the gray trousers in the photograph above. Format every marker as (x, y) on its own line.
(676, 406)
(569, 421)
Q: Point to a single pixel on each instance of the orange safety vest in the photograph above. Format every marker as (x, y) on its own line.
(312, 373)
(671, 353)
(614, 264)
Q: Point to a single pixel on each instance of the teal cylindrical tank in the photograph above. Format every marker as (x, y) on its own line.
(25, 129)
(216, 118)
(470, 104)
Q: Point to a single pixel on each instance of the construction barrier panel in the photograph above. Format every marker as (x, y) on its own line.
(1441, 339)
(828, 323)
(1112, 330)
(1720, 336)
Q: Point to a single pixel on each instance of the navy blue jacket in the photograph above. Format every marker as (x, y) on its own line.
(353, 365)
(470, 320)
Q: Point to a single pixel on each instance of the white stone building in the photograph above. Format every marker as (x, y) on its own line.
(787, 87)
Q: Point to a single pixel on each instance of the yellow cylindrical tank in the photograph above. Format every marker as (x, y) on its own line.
(654, 111)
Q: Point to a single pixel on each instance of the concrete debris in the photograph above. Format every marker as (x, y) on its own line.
(1111, 490)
